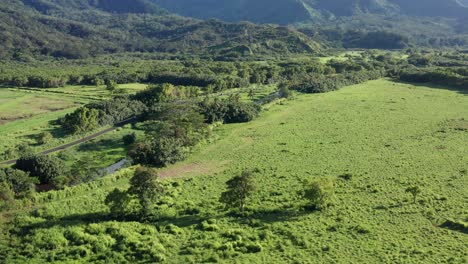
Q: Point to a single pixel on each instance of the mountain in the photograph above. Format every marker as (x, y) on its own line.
(292, 11)
(258, 11)
(82, 28)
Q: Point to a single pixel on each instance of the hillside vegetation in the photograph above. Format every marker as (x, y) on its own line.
(79, 29)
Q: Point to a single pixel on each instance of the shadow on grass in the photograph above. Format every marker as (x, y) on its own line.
(99, 217)
(459, 90)
(100, 145)
(268, 216)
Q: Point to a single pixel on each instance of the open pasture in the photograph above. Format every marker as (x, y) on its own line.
(17, 105)
(372, 140)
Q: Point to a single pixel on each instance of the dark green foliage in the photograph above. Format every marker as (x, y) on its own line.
(129, 139)
(230, 110)
(238, 190)
(48, 169)
(145, 186)
(7, 196)
(324, 83)
(283, 91)
(18, 181)
(82, 120)
(118, 202)
(319, 194)
(174, 130)
(437, 76)
(82, 29)
(111, 85)
(160, 152)
(115, 110)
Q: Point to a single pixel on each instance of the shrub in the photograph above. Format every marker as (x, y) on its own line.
(44, 138)
(129, 139)
(319, 194)
(283, 91)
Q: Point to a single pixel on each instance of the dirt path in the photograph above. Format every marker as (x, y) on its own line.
(79, 141)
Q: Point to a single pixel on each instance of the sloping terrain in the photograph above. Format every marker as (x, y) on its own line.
(78, 29)
(290, 11)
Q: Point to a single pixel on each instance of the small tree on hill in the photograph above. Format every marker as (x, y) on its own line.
(239, 189)
(414, 190)
(118, 202)
(319, 194)
(144, 185)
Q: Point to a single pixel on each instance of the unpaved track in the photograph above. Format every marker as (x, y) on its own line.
(77, 142)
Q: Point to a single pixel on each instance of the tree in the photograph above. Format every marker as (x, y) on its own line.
(129, 139)
(82, 120)
(7, 196)
(18, 181)
(144, 185)
(118, 202)
(238, 190)
(48, 169)
(414, 190)
(319, 194)
(283, 91)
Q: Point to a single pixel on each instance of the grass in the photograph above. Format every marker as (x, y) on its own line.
(373, 140)
(16, 105)
(25, 113)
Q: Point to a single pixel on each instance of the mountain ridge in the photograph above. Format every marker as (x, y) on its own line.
(293, 11)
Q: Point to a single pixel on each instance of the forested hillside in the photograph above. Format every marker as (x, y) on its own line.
(434, 23)
(290, 11)
(79, 29)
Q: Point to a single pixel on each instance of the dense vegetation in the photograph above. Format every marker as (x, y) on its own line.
(71, 29)
(136, 135)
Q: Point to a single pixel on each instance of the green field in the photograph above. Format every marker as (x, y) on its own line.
(388, 136)
(26, 112)
(17, 104)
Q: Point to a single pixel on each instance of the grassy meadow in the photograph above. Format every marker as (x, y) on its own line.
(384, 136)
(26, 112)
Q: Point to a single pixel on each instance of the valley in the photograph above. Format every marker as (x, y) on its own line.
(286, 131)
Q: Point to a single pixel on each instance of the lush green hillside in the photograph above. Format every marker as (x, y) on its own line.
(372, 140)
(432, 23)
(77, 29)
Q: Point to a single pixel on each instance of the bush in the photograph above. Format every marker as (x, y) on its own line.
(44, 138)
(319, 194)
(283, 91)
(129, 139)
